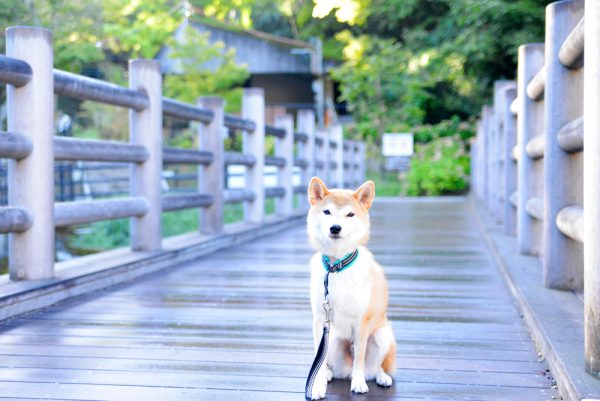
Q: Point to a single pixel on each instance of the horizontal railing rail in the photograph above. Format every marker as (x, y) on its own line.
(85, 88)
(83, 212)
(184, 111)
(14, 72)
(14, 146)
(96, 150)
(238, 123)
(187, 156)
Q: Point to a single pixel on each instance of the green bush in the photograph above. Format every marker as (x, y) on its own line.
(439, 167)
(451, 127)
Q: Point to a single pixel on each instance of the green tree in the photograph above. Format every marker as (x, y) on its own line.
(135, 29)
(196, 56)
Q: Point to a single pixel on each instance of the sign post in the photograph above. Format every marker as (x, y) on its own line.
(397, 148)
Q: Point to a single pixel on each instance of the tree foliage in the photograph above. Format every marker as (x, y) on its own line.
(423, 61)
(196, 79)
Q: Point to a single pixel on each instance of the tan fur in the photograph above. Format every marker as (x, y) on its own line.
(389, 362)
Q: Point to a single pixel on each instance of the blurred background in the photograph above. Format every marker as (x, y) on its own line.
(423, 67)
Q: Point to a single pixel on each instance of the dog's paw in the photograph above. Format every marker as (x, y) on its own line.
(319, 389)
(383, 379)
(359, 386)
(329, 374)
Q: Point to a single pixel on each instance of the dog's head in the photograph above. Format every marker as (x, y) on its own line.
(338, 219)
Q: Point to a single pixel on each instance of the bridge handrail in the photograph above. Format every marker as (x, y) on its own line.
(555, 119)
(30, 142)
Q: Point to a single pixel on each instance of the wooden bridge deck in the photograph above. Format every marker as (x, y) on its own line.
(235, 325)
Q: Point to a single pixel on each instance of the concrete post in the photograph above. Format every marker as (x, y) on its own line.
(361, 157)
(211, 178)
(354, 159)
(473, 166)
(337, 155)
(498, 132)
(145, 128)
(591, 192)
(480, 162)
(530, 124)
(253, 108)
(510, 166)
(30, 110)
(487, 115)
(494, 176)
(284, 147)
(306, 124)
(562, 257)
(322, 155)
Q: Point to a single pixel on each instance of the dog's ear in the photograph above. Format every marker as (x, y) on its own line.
(316, 190)
(365, 194)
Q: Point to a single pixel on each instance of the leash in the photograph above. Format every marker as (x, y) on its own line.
(335, 267)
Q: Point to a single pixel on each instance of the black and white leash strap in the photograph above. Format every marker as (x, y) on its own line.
(322, 351)
(339, 265)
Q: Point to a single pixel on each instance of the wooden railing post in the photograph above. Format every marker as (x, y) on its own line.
(337, 155)
(530, 124)
(509, 173)
(591, 179)
(306, 124)
(31, 180)
(253, 108)
(284, 147)
(562, 257)
(145, 128)
(211, 178)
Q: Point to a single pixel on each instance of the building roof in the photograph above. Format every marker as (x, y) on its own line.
(261, 52)
(280, 40)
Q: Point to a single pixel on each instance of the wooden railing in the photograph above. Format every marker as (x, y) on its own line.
(530, 166)
(31, 215)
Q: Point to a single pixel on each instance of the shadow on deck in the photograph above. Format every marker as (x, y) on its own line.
(235, 325)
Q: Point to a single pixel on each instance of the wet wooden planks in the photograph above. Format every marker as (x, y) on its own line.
(235, 325)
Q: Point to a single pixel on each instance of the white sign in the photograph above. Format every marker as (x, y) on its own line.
(398, 144)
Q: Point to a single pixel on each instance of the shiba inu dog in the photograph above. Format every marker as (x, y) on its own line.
(362, 344)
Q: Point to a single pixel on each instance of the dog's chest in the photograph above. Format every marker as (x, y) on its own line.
(349, 297)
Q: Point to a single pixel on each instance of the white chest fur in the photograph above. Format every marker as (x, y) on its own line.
(349, 292)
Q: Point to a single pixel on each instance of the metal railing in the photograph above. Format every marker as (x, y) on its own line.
(529, 164)
(32, 214)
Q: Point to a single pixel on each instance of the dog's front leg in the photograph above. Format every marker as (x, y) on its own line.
(320, 386)
(358, 384)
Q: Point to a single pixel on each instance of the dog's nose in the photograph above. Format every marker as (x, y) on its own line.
(335, 229)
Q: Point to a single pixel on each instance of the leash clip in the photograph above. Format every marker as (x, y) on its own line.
(327, 309)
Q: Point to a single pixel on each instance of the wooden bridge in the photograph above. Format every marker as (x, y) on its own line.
(486, 295)
(236, 324)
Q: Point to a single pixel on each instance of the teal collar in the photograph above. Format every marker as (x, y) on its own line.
(340, 264)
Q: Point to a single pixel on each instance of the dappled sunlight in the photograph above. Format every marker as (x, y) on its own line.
(345, 10)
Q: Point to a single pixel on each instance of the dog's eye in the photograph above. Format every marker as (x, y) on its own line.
(350, 214)
(326, 211)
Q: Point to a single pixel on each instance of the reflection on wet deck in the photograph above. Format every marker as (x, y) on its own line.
(235, 325)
